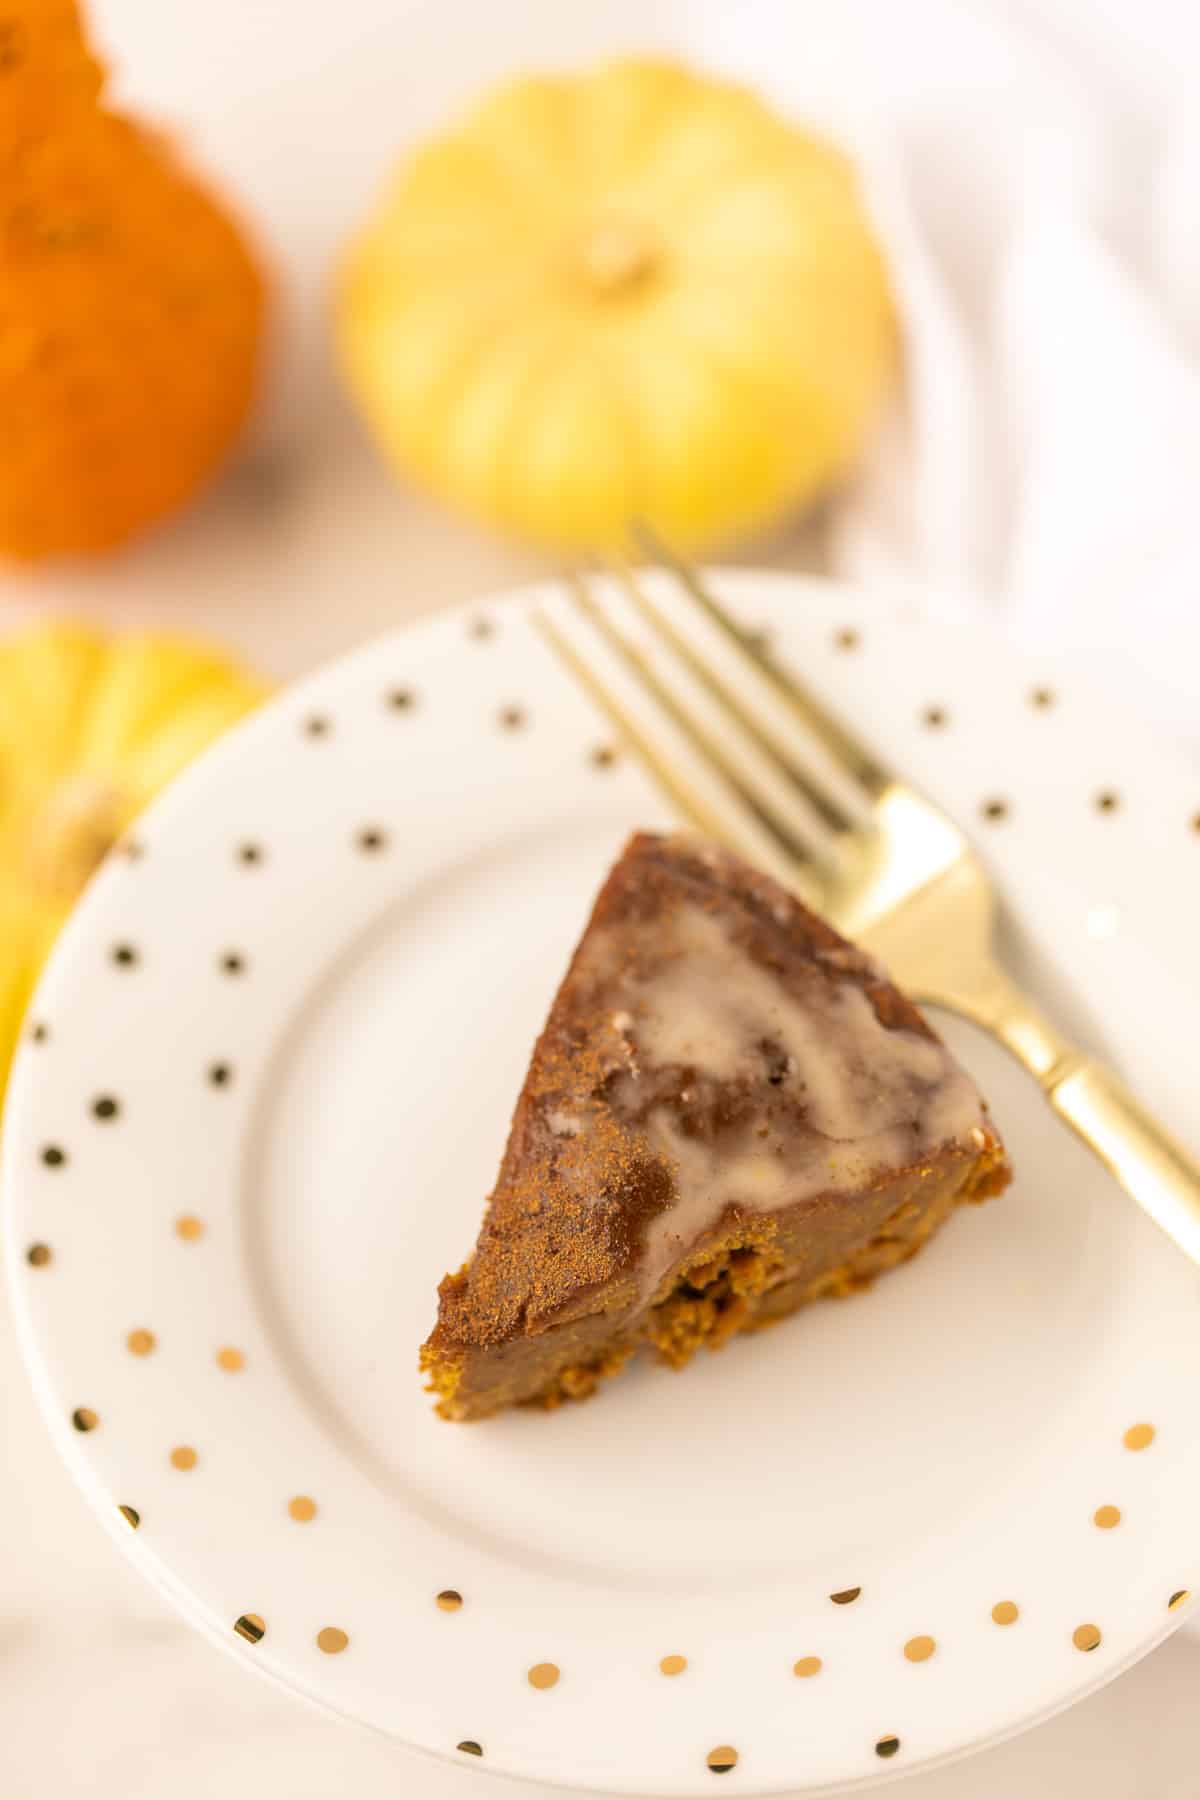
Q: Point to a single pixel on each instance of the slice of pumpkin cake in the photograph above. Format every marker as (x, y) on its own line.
(730, 1111)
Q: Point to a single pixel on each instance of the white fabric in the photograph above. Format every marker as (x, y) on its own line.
(1035, 171)
(1037, 176)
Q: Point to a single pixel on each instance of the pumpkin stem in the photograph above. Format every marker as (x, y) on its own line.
(73, 834)
(618, 254)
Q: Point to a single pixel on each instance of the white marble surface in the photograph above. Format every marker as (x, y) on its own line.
(305, 550)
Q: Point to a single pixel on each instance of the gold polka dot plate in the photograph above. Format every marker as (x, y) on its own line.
(893, 1529)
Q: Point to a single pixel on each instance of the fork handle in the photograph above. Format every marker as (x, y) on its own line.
(1151, 1165)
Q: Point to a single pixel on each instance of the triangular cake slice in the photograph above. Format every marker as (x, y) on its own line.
(731, 1111)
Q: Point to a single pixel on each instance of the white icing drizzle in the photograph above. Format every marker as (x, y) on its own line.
(874, 1097)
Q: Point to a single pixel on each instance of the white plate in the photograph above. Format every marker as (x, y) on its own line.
(943, 1444)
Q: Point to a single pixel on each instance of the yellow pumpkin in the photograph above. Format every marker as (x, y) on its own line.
(632, 294)
(91, 728)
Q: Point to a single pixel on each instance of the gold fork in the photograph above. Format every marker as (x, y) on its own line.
(748, 756)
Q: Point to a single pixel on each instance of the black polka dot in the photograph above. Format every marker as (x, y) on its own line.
(54, 1156)
(250, 855)
(400, 699)
(317, 726)
(371, 840)
(233, 963)
(125, 956)
(512, 718)
(220, 1074)
(39, 1033)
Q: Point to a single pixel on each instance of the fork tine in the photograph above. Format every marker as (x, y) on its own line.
(752, 798)
(745, 760)
(846, 750)
(752, 823)
(688, 802)
(770, 744)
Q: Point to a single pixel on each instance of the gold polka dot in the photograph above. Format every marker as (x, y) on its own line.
(722, 1759)
(603, 756)
(1085, 1637)
(845, 1596)
(994, 810)
(1179, 1598)
(84, 1419)
(39, 1033)
(250, 855)
(543, 1675)
(673, 1665)
(1006, 1612)
(1042, 697)
(1196, 822)
(470, 1747)
(251, 1626)
(38, 1255)
(847, 638)
(481, 629)
(140, 1342)
(316, 726)
(919, 1649)
(401, 699)
(512, 717)
(449, 1600)
(1107, 801)
(302, 1509)
(807, 1665)
(1106, 1517)
(183, 1457)
(887, 1746)
(332, 1640)
(1139, 1437)
(188, 1226)
(935, 717)
(230, 1359)
(131, 1516)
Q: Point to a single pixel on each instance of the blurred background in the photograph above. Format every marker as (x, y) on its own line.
(982, 329)
(1033, 169)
